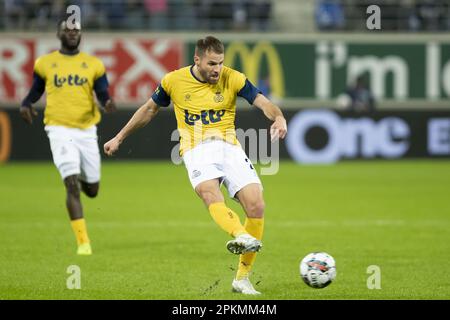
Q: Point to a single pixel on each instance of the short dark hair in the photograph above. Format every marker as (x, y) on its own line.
(209, 44)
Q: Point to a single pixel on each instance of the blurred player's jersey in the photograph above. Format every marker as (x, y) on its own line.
(204, 110)
(69, 81)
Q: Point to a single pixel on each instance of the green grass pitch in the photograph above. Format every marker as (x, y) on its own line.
(153, 239)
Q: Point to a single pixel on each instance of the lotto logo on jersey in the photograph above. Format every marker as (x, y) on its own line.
(71, 80)
(206, 116)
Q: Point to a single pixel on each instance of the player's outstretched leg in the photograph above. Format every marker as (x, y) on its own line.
(226, 218)
(229, 221)
(75, 209)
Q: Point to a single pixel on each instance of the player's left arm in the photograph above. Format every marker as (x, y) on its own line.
(279, 127)
(101, 91)
(254, 97)
(101, 86)
(36, 91)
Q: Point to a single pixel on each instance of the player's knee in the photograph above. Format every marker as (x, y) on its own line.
(72, 186)
(92, 193)
(91, 190)
(209, 196)
(255, 209)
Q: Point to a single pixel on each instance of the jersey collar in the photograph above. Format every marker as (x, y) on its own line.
(68, 54)
(192, 73)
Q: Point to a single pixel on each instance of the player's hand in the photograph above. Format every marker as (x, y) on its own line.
(27, 113)
(278, 129)
(110, 106)
(111, 146)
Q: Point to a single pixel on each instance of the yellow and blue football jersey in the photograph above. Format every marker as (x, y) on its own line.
(204, 110)
(69, 81)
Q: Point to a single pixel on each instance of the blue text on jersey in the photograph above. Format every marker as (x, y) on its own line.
(72, 80)
(207, 116)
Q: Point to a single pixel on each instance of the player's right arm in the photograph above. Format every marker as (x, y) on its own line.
(160, 98)
(36, 91)
(139, 119)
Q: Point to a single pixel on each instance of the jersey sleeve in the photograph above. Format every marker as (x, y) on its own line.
(38, 85)
(243, 87)
(238, 80)
(101, 82)
(248, 91)
(39, 68)
(36, 91)
(100, 69)
(161, 96)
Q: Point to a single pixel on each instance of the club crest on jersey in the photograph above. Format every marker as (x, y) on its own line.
(71, 80)
(218, 97)
(206, 116)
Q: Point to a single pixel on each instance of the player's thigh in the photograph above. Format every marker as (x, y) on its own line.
(252, 200)
(204, 167)
(66, 156)
(90, 159)
(239, 171)
(209, 191)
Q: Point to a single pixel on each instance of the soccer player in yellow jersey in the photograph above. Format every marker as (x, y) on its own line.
(204, 99)
(71, 114)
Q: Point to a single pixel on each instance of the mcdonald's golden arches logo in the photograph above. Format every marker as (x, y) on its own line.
(251, 62)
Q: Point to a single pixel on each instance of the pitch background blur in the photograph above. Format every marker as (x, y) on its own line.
(364, 172)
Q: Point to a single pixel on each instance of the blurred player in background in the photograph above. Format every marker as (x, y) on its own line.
(204, 98)
(71, 114)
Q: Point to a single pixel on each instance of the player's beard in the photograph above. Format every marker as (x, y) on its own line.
(67, 44)
(205, 75)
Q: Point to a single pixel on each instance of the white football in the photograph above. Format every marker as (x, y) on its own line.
(318, 269)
